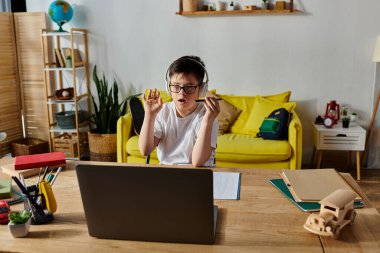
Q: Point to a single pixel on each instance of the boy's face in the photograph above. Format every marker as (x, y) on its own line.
(184, 91)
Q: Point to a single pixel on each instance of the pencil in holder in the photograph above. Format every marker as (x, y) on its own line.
(39, 215)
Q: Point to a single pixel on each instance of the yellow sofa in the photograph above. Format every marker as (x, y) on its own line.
(239, 147)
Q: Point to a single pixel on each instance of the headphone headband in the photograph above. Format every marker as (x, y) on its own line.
(204, 84)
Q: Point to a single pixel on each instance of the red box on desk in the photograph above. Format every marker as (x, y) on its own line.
(39, 160)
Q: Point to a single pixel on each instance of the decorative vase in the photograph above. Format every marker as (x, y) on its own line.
(189, 5)
(102, 147)
(19, 230)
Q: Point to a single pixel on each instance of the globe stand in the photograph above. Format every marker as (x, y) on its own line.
(60, 24)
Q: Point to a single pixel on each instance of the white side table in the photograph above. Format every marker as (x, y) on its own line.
(339, 138)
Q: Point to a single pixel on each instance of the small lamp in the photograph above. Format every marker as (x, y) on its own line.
(376, 59)
(376, 53)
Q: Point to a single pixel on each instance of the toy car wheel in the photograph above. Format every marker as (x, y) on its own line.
(337, 232)
(352, 217)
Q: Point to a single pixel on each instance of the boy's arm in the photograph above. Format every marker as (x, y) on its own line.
(147, 140)
(202, 149)
(152, 105)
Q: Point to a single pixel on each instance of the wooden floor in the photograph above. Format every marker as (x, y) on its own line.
(370, 183)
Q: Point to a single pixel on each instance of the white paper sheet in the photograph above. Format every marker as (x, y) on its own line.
(227, 185)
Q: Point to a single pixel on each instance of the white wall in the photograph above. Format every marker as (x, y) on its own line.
(321, 54)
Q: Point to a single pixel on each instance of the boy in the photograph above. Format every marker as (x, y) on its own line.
(184, 130)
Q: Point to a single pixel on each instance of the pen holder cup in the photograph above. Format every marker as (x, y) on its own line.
(38, 217)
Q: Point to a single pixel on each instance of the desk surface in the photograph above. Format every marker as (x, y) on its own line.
(262, 221)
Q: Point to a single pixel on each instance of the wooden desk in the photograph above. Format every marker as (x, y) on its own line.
(262, 221)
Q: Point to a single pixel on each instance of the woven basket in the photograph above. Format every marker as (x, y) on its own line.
(102, 147)
(29, 146)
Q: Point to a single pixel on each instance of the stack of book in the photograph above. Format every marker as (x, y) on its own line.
(305, 188)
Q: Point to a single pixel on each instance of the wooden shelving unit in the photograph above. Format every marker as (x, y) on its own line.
(289, 11)
(77, 146)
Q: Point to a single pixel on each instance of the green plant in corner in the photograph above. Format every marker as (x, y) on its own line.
(109, 109)
(19, 217)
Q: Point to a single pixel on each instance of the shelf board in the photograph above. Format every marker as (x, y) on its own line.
(236, 12)
(54, 101)
(61, 69)
(57, 129)
(53, 34)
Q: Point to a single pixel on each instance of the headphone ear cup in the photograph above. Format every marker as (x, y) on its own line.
(167, 86)
(203, 90)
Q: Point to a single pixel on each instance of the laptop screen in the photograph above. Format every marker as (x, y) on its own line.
(148, 203)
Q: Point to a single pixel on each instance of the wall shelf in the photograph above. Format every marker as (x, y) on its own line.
(289, 11)
(236, 12)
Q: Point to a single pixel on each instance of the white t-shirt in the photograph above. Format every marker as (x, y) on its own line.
(178, 135)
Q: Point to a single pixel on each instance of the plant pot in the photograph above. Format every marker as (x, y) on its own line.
(102, 147)
(346, 122)
(19, 230)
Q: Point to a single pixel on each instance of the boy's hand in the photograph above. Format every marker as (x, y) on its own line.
(152, 103)
(212, 108)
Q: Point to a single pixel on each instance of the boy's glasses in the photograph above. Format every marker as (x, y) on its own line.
(188, 89)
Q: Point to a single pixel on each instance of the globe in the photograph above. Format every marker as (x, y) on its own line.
(60, 12)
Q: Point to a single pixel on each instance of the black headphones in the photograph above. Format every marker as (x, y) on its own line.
(204, 85)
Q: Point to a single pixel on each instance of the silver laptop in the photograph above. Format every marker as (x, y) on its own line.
(147, 203)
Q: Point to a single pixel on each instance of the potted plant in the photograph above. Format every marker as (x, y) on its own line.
(19, 223)
(265, 5)
(107, 110)
(354, 116)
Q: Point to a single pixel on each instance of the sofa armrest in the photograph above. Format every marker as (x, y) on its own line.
(124, 129)
(295, 141)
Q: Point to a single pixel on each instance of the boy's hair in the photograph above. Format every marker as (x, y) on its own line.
(188, 65)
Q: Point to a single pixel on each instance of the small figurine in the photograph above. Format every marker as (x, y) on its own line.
(337, 210)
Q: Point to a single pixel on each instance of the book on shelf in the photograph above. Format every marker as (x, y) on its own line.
(304, 206)
(59, 58)
(78, 59)
(312, 185)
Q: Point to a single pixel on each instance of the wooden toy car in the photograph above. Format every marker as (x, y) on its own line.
(4, 211)
(337, 210)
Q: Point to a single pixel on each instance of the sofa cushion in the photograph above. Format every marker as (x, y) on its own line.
(227, 116)
(242, 148)
(261, 109)
(133, 148)
(246, 103)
